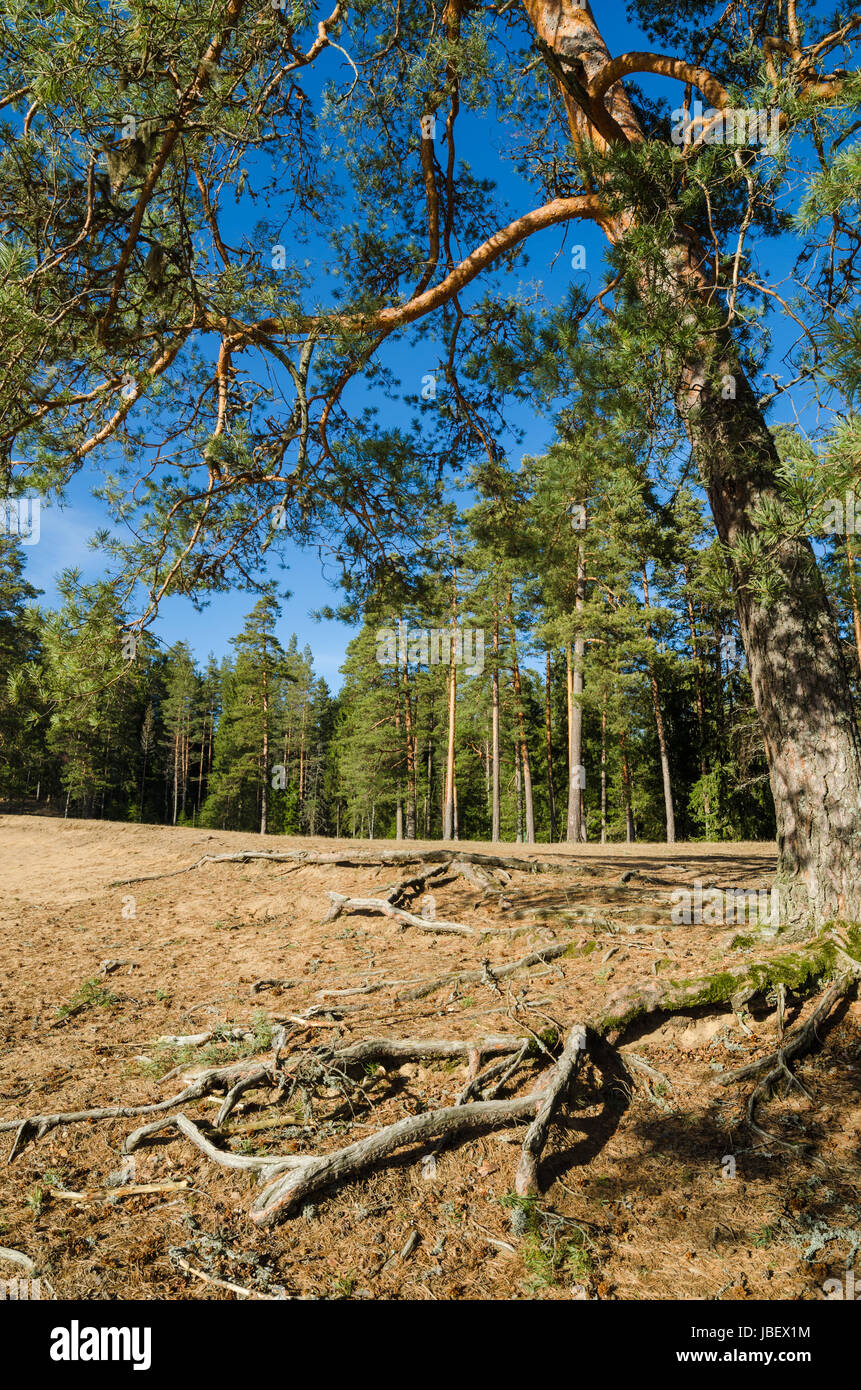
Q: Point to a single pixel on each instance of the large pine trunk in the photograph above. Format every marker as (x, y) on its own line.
(795, 659)
(794, 656)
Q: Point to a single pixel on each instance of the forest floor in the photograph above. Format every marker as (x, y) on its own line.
(653, 1185)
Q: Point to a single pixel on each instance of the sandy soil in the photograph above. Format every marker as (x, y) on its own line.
(96, 968)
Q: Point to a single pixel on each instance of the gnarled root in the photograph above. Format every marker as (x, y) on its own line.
(526, 1180)
(285, 1193)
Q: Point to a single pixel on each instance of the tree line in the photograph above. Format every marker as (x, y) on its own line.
(564, 664)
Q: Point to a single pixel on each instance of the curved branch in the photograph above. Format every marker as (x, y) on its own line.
(661, 66)
(585, 205)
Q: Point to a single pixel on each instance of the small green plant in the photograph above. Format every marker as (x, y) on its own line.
(549, 1037)
(263, 1030)
(764, 1237)
(552, 1247)
(91, 995)
(343, 1287)
(35, 1198)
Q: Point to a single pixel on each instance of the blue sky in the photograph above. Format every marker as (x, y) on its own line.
(65, 532)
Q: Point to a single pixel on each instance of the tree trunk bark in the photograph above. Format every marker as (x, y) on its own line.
(448, 808)
(518, 795)
(175, 773)
(412, 753)
(448, 820)
(659, 725)
(853, 592)
(495, 832)
(548, 735)
(575, 830)
(264, 785)
(521, 729)
(574, 685)
(399, 802)
(698, 685)
(604, 768)
(626, 787)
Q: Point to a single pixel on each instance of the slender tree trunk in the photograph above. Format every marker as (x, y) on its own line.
(264, 785)
(485, 758)
(575, 829)
(175, 773)
(448, 805)
(495, 831)
(853, 591)
(145, 752)
(399, 802)
(626, 787)
(412, 752)
(548, 737)
(302, 755)
(518, 795)
(574, 672)
(209, 747)
(448, 821)
(186, 756)
(698, 687)
(200, 767)
(659, 725)
(604, 768)
(521, 726)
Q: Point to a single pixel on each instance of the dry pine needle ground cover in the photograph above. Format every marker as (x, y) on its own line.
(130, 977)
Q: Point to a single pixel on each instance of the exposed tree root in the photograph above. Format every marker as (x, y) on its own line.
(382, 907)
(284, 1194)
(800, 1041)
(375, 859)
(291, 1180)
(526, 1179)
(223, 1157)
(212, 1079)
(499, 972)
(425, 1049)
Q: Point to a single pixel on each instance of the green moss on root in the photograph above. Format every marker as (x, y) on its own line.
(799, 971)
